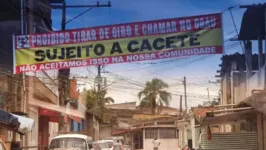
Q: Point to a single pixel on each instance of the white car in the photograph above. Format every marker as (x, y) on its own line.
(110, 143)
(100, 145)
(113, 144)
(70, 142)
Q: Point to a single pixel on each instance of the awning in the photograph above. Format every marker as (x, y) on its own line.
(9, 121)
(15, 123)
(252, 20)
(26, 124)
(228, 117)
(53, 115)
(123, 131)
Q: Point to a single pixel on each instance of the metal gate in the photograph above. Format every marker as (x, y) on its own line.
(230, 141)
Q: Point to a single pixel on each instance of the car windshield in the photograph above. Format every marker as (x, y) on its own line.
(103, 145)
(68, 143)
(110, 144)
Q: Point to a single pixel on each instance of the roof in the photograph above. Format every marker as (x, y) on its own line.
(164, 110)
(81, 136)
(252, 20)
(127, 105)
(201, 111)
(162, 119)
(239, 59)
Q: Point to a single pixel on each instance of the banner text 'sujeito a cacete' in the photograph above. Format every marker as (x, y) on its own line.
(149, 40)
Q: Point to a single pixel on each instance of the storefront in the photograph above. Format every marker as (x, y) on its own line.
(244, 124)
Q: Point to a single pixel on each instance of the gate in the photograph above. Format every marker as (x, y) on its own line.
(230, 141)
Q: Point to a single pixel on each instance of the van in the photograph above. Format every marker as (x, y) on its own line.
(70, 142)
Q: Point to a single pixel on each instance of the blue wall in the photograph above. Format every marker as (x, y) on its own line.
(75, 126)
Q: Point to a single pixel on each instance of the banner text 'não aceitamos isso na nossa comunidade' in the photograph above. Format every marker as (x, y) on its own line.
(150, 40)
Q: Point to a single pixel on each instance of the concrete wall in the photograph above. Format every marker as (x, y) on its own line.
(122, 124)
(105, 132)
(166, 144)
(53, 129)
(33, 135)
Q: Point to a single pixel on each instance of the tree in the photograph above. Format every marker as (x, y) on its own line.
(154, 95)
(96, 100)
(210, 103)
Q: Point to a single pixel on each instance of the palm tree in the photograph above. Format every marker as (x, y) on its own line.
(154, 94)
(96, 100)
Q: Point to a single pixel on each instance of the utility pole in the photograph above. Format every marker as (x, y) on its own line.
(63, 75)
(180, 105)
(99, 78)
(185, 91)
(208, 94)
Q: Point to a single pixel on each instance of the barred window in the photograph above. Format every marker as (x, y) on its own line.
(168, 133)
(151, 133)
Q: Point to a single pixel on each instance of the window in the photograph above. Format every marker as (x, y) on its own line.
(151, 133)
(69, 143)
(103, 145)
(138, 140)
(167, 133)
(110, 144)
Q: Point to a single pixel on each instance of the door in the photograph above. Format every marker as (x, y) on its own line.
(43, 132)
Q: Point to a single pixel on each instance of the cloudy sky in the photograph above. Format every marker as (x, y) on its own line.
(126, 80)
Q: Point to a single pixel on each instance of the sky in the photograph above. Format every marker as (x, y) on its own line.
(124, 81)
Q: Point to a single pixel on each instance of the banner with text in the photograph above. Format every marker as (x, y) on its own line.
(149, 40)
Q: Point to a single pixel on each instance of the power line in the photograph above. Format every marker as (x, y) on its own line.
(79, 15)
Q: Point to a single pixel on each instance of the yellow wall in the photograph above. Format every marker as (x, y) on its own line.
(148, 116)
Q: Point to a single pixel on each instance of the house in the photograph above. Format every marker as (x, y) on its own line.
(139, 127)
(193, 129)
(232, 118)
(141, 133)
(243, 77)
(34, 95)
(18, 94)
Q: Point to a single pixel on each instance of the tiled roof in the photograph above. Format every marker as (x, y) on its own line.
(129, 105)
(201, 111)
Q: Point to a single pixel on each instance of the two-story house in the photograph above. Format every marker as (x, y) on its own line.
(243, 76)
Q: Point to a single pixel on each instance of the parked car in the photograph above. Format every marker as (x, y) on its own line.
(114, 144)
(117, 146)
(70, 142)
(110, 143)
(116, 139)
(100, 145)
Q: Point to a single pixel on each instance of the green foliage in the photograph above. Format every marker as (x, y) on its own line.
(154, 95)
(95, 102)
(210, 103)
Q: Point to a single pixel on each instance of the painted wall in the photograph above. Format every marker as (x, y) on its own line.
(53, 129)
(33, 135)
(147, 116)
(105, 131)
